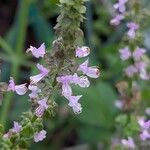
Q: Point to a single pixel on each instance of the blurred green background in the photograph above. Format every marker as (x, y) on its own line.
(30, 22)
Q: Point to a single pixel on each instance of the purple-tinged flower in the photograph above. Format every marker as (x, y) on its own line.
(121, 5)
(133, 27)
(130, 71)
(138, 53)
(144, 135)
(17, 127)
(129, 143)
(125, 53)
(144, 75)
(66, 90)
(82, 51)
(35, 90)
(140, 65)
(92, 72)
(147, 110)
(118, 104)
(41, 108)
(73, 102)
(37, 52)
(40, 136)
(145, 125)
(19, 89)
(7, 135)
(82, 81)
(117, 20)
(43, 73)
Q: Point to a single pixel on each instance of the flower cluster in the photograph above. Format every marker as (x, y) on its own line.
(128, 143)
(82, 81)
(40, 136)
(120, 8)
(41, 104)
(140, 65)
(58, 71)
(16, 129)
(145, 129)
(136, 69)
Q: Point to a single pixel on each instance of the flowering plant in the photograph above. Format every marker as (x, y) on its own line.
(58, 72)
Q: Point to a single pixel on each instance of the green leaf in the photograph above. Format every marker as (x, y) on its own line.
(98, 105)
(27, 131)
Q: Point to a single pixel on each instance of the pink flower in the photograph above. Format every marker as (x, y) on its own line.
(66, 90)
(125, 53)
(129, 143)
(144, 75)
(39, 136)
(133, 27)
(140, 65)
(118, 104)
(144, 135)
(43, 73)
(144, 124)
(17, 127)
(92, 72)
(37, 52)
(147, 110)
(73, 102)
(138, 53)
(82, 51)
(19, 89)
(116, 20)
(130, 71)
(41, 108)
(74, 79)
(121, 5)
(35, 90)
(81, 81)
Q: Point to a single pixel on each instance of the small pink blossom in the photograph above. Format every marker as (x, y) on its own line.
(142, 70)
(129, 143)
(82, 81)
(144, 124)
(117, 20)
(37, 52)
(92, 72)
(35, 90)
(73, 102)
(40, 136)
(130, 71)
(147, 110)
(121, 5)
(43, 73)
(133, 27)
(138, 53)
(140, 65)
(144, 75)
(144, 135)
(19, 89)
(125, 53)
(118, 104)
(66, 90)
(17, 127)
(41, 108)
(7, 135)
(82, 51)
